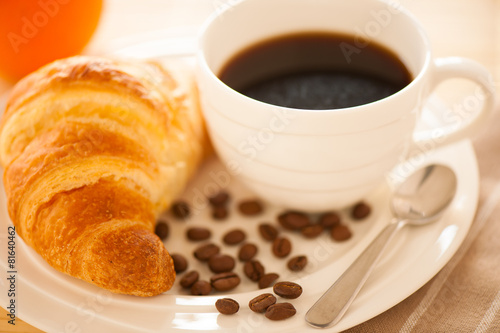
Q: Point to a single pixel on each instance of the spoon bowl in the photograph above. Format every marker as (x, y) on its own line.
(422, 198)
(424, 195)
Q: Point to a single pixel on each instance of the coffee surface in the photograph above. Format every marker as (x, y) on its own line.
(315, 70)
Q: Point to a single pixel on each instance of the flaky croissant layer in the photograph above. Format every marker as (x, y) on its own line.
(93, 150)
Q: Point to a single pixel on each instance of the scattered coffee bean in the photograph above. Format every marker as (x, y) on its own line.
(262, 302)
(180, 262)
(250, 207)
(227, 306)
(225, 281)
(340, 233)
(312, 231)
(360, 211)
(247, 252)
(162, 230)
(287, 289)
(329, 220)
(280, 311)
(254, 270)
(220, 213)
(268, 232)
(219, 263)
(296, 264)
(198, 234)
(219, 199)
(293, 220)
(267, 280)
(234, 237)
(200, 288)
(281, 247)
(189, 279)
(180, 209)
(204, 252)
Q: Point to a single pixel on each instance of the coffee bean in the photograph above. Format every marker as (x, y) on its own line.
(287, 289)
(180, 262)
(296, 264)
(162, 230)
(200, 288)
(219, 263)
(227, 306)
(312, 231)
(281, 247)
(220, 213)
(329, 220)
(189, 279)
(247, 252)
(225, 281)
(268, 232)
(262, 302)
(250, 207)
(219, 199)
(293, 220)
(280, 311)
(234, 237)
(198, 234)
(180, 209)
(254, 270)
(267, 280)
(360, 211)
(204, 252)
(340, 233)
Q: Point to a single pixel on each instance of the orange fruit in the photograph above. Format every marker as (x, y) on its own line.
(36, 32)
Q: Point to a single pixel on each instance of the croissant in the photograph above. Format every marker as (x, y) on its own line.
(93, 150)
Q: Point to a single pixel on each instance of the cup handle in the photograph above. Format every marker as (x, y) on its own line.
(457, 67)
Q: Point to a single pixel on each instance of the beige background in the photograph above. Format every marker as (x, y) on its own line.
(469, 28)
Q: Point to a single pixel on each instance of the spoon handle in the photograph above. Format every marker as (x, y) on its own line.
(330, 308)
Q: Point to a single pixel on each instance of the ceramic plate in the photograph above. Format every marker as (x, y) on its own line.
(55, 302)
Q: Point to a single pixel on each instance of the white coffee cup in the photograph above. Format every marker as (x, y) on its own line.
(318, 160)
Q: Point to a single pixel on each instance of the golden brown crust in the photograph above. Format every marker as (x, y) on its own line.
(93, 150)
(102, 233)
(70, 146)
(79, 71)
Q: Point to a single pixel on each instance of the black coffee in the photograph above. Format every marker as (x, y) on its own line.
(315, 70)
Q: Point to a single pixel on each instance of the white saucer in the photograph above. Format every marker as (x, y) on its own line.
(56, 302)
(52, 301)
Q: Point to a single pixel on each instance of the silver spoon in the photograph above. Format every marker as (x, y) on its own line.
(420, 199)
